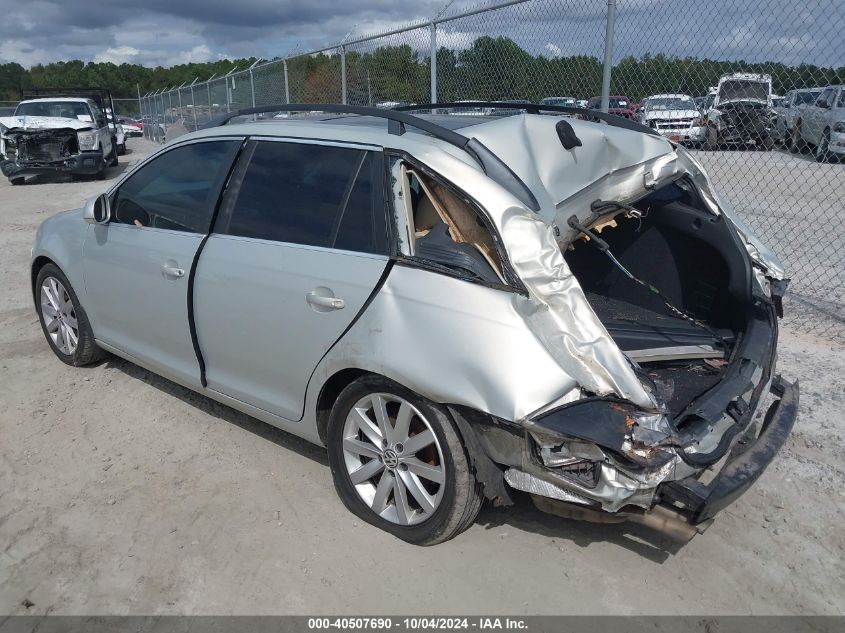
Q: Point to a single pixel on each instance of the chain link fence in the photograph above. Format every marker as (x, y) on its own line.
(661, 62)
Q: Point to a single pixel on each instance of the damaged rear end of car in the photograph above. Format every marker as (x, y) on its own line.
(644, 287)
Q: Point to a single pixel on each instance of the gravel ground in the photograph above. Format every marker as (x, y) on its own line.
(123, 493)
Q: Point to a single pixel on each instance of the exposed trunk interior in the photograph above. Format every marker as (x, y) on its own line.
(694, 261)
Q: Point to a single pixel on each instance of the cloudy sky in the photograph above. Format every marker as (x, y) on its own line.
(168, 32)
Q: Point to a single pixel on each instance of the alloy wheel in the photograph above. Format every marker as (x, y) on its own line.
(394, 459)
(59, 316)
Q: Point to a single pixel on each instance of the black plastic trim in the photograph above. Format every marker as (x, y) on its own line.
(742, 470)
(220, 186)
(536, 108)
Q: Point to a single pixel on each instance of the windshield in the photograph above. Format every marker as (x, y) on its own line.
(743, 89)
(670, 103)
(63, 109)
(617, 103)
(807, 97)
(560, 101)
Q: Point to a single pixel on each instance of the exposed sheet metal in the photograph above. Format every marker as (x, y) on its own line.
(680, 352)
(529, 483)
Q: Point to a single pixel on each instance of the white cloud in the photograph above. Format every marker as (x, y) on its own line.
(23, 53)
(198, 54)
(118, 55)
(553, 50)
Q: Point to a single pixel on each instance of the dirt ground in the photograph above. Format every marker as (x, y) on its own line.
(122, 493)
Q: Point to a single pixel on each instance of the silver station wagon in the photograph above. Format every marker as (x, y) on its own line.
(457, 308)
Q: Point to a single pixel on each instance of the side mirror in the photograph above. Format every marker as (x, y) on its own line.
(97, 210)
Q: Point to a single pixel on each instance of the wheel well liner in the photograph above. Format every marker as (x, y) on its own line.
(328, 395)
(37, 265)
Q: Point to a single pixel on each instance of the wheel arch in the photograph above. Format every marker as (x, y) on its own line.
(330, 390)
(37, 264)
(486, 471)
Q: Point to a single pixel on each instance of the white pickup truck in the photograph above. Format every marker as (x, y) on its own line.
(57, 135)
(822, 125)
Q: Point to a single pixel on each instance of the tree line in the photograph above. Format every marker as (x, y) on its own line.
(491, 68)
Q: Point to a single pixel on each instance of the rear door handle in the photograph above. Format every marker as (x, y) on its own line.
(329, 303)
(172, 271)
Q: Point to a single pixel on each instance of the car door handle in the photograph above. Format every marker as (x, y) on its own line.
(172, 271)
(331, 303)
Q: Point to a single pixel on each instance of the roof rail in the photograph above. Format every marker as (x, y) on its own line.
(400, 118)
(536, 108)
(492, 165)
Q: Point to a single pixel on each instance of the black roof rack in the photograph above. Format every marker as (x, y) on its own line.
(535, 108)
(398, 118)
(492, 165)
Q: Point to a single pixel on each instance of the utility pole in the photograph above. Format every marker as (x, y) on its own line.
(608, 54)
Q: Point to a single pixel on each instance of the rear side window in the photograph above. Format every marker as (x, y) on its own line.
(315, 195)
(177, 190)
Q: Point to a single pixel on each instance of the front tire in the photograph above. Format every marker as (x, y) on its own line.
(797, 146)
(398, 462)
(63, 321)
(822, 153)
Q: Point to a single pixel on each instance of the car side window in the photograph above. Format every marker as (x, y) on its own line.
(177, 190)
(824, 98)
(316, 195)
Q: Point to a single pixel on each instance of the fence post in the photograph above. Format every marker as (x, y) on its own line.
(343, 74)
(193, 102)
(608, 54)
(252, 87)
(208, 86)
(138, 87)
(287, 88)
(433, 61)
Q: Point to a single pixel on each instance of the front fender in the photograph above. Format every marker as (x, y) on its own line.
(60, 239)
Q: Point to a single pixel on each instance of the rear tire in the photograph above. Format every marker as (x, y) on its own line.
(121, 150)
(63, 320)
(371, 465)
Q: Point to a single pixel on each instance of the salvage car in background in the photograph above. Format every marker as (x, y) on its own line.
(617, 104)
(822, 125)
(132, 127)
(794, 101)
(456, 307)
(674, 116)
(742, 114)
(119, 134)
(58, 135)
(567, 102)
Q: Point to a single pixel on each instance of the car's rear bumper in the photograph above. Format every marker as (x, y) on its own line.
(701, 502)
(84, 163)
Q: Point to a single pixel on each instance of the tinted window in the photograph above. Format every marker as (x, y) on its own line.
(177, 190)
(310, 194)
(358, 225)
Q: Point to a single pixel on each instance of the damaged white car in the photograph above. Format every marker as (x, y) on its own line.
(53, 135)
(455, 307)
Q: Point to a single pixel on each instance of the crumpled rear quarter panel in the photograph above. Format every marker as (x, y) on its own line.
(453, 342)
